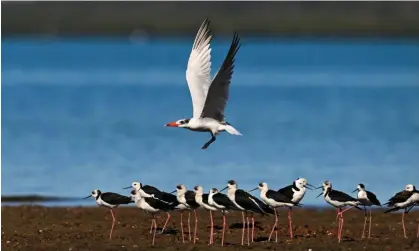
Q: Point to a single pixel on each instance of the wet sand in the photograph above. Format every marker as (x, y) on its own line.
(87, 228)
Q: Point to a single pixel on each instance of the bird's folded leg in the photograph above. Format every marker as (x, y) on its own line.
(209, 142)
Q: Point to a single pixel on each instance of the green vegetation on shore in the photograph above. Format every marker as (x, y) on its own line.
(183, 18)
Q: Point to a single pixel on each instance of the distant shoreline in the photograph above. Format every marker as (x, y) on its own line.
(34, 198)
(141, 20)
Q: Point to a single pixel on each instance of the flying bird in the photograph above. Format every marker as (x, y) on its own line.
(209, 96)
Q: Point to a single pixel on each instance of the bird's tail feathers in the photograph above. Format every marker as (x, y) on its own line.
(230, 129)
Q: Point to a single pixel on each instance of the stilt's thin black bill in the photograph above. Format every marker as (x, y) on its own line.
(253, 189)
(355, 190)
(223, 189)
(87, 197)
(311, 187)
(319, 195)
(173, 191)
(127, 187)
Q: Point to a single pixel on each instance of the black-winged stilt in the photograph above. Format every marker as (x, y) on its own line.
(110, 201)
(339, 200)
(202, 200)
(274, 199)
(403, 200)
(295, 192)
(187, 198)
(246, 203)
(223, 203)
(150, 191)
(367, 199)
(152, 205)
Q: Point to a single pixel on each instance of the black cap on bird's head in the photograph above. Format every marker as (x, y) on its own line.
(231, 182)
(214, 190)
(95, 194)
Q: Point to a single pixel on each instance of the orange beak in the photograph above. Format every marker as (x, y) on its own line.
(172, 124)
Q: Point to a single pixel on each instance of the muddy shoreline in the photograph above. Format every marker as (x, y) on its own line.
(87, 228)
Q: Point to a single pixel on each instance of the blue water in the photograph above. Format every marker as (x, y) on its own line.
(84, 114)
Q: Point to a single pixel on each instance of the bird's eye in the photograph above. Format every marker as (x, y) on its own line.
(181, 122)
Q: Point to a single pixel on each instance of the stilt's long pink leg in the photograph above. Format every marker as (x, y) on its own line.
(155, 229)
(290, 221)
(113, 224)
(253, 226)
(244, 225)
(248, 230)
(365, 223)
(189, 226)
(274, 228)
(369, 230)
(339, 222)
(341, 227)
(224, 227)
(404, 228)
(212, 229)
(181, 226)
(151, 227)
(196, 226)
(164, 227)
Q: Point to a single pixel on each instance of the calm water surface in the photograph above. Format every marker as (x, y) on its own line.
(84, 114)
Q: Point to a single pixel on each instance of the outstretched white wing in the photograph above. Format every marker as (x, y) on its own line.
(218, 92)
(199, 68)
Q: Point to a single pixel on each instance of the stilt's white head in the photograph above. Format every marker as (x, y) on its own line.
(231, 186)
(136, 185)
(410, 188)
(95, 194)
(301, 183)
(180, 123)
(327, 186)
(263, 186)
(180, 190)
(198, 190)
(213, 191)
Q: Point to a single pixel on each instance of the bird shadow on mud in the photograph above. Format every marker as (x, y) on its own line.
(347, 239)
(240, 226)
(167, 231)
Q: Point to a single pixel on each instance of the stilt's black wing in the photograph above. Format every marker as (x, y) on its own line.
(251, 203)
(371, 196)
(277, 196)
(190, 199)
(115, 199)
(287, 191)
(222, 199)
(151, 190)
(205, 198)
(398, 198)
(340, 196)
(169, 198)
(157, 203)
